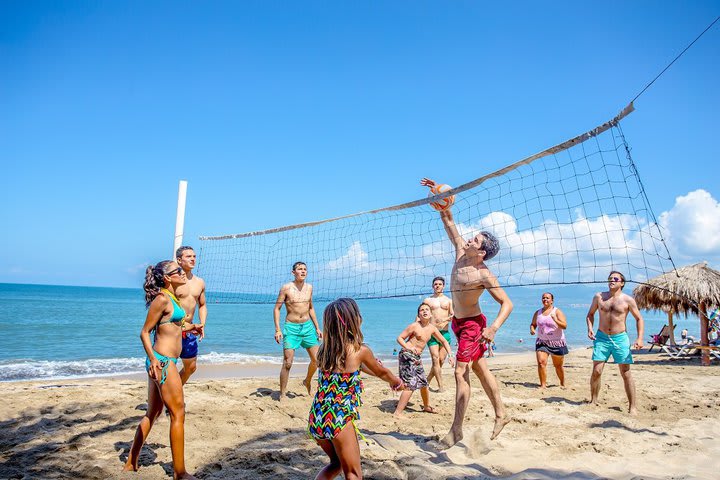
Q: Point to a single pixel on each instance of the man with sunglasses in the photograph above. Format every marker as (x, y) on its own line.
(611, 337)
(191, 295)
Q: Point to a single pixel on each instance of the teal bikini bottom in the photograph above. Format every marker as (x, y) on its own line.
(164, 363)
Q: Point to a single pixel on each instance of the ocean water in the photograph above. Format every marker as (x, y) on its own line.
(51, 332)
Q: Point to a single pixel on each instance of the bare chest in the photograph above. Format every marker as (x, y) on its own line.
(297, 297)
(438, 303)
(613, 306)
(188, 294)
(422, 334)
(467, 276)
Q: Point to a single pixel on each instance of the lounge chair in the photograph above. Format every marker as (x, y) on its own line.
(661, 338)
(690, 350)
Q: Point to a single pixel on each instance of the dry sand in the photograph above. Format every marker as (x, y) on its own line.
(236, 428)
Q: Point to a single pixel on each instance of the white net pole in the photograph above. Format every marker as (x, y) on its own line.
(180, 217)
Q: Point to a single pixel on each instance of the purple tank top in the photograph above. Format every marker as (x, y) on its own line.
(547, 330)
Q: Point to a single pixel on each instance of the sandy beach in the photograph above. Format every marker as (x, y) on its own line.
(236, 428)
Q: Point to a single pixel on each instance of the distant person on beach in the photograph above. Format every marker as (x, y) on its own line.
(341, 357)
(470, 277)
(442, 311)
(611, 337)
(550, 323)
(413, 340)
(191, 295)
(685, 337)
(301, 327)
(166, 320)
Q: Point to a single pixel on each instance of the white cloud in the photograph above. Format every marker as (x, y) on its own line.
(355, 259)
(692, 226)
(581, 249)
(140, 267)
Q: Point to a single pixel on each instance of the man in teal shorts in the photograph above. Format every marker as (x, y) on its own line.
(301, 328)
(611, 338)
(442, 311)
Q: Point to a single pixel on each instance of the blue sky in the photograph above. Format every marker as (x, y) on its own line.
(285, 112)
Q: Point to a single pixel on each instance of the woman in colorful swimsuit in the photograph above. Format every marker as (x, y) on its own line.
(165, 321)
(550, 324)
(341, 357)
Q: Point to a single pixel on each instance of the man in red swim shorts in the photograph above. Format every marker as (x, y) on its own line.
(469, 279)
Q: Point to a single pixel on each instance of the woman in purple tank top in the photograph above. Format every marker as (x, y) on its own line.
(550, 324)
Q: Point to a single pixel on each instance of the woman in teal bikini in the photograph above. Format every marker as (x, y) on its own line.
(166, 321)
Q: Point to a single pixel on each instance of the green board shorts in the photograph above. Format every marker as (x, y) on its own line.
(296, 335)
(617, 345)
(433, 341)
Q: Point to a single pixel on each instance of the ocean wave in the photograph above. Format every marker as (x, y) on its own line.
(22, 369)
(214, 358)
(13, 370)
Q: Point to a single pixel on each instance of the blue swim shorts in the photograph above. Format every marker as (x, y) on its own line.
(189, 346)
(617, 345)
(296, 335)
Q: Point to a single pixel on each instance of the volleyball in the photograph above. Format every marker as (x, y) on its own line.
(446, 202)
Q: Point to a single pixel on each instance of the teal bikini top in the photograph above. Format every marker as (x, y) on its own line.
(178, 312)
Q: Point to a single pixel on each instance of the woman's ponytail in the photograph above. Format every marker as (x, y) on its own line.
(154, 281)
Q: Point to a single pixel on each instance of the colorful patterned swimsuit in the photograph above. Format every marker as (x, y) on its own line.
(336, 403)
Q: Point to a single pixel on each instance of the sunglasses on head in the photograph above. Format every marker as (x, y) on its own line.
(615, 279)
(178, 271)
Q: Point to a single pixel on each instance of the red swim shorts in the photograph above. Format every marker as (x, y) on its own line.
(468, 331)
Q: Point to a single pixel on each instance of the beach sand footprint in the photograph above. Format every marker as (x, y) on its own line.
(401, 446)
(475, 444)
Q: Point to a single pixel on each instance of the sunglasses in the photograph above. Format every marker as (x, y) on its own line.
(615, 279)
(178, 271)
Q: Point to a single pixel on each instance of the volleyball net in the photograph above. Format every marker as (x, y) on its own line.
(567, 215)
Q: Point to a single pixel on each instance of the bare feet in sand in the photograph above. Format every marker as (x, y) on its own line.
(130, 468)
(307, 385)
(429, 409)
(451, 438)
(500, 423)
(632, 411)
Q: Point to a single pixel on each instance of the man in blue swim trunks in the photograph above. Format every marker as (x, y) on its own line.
(611, 338)
(191, 295)
(301, 327)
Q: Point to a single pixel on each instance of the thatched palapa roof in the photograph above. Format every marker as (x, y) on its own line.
(681, 291)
